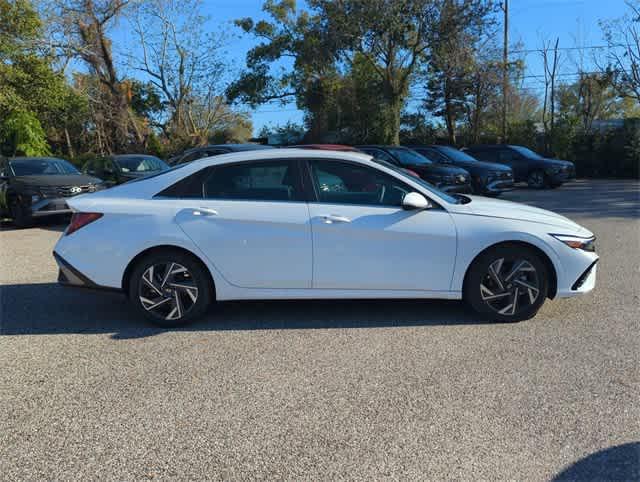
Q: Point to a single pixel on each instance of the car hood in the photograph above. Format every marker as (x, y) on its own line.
(438, 169)
(487, 166)
(483, 206)
(56, 180)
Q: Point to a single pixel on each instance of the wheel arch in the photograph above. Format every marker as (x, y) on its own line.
(553, 275)
(159, 248)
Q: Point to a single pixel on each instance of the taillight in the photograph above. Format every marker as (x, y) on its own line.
(79, 220)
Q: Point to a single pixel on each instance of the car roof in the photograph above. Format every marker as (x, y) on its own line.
(329, 147)
(132, 156)
(231, 147)
(35, 158)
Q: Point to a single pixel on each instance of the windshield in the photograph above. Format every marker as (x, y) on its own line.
(430, 187)
(140, 164)
(41, 167)
(408, 157)
(456, 155)
(527, 152)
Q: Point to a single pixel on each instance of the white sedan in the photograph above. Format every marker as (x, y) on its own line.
(300, 224)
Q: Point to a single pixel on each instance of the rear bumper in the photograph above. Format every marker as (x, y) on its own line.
(70, 276)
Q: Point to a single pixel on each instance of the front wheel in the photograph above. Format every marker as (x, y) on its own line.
(537, 179)
(21, 218)
(170, 288)
(507, 283)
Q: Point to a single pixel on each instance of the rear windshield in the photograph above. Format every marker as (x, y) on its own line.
(41, 167)
(408, 157)
(456, 154)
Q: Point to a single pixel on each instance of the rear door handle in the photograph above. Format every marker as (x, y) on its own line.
(335, 218)
(205, 212)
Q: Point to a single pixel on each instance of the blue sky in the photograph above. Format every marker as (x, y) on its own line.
(575, 22)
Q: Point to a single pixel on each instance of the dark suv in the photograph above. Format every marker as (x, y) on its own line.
(124, 167)
(487, 178)
(32, 187)
(527, 166)
(445, 177)
(213, 150)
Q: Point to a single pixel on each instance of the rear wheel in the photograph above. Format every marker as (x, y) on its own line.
(170, 288)
(507, 283)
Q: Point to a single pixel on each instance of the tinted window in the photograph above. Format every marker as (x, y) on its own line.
(380, 155)
(507, 155)
(527, 152)
(433, 154)
(40, 167)
(349, 183)
(408, 157)
(261, 181)
(140, 164)
(455, 154)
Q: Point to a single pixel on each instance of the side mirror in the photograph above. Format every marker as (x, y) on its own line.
(415, 201)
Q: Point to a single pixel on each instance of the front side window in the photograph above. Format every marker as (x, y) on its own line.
(339, 182)
(260, 181)
(42, 167)
(506, 155)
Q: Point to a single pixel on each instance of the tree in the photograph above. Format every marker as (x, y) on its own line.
(623, 56)
(22, 134)
(79, 28)
(463, 28)
(392, 35)
(549, 104)
(183, 62)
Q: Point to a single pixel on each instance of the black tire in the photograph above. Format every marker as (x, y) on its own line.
(537, 179)
(198, 277)
(21, 218)
(480, 286)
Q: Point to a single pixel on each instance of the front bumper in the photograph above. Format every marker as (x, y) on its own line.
(497, 186)
(456, 188)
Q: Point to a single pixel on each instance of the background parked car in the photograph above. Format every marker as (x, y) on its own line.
(447, 178)
(214, 150)
(32, 187)
(124, 167)
(527, 165)
(487, 178)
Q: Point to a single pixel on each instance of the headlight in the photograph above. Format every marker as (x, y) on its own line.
(576, 242)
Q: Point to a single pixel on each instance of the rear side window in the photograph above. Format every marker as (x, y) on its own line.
(256, 181)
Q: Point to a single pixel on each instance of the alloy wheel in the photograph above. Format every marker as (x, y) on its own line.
(510, 286)
(536, 179)
(168, 290)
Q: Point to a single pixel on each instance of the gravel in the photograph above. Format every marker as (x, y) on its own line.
(325, 390)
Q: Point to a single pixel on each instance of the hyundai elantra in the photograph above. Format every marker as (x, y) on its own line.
(301, 224)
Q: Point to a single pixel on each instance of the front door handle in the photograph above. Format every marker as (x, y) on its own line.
(335, 218)
(205, 212)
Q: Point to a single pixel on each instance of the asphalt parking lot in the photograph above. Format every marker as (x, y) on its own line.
(326, 390)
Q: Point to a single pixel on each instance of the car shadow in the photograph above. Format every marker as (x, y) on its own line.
(609, 198)
(48, 308)
(621, 462)
(53, 224)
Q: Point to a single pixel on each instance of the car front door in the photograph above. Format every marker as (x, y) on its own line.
(515, 161)
(4, 185)
(252, 222)
(364, 240)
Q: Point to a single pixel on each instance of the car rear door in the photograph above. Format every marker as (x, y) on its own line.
(252, 222)
(364, 240)
(518, 163)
